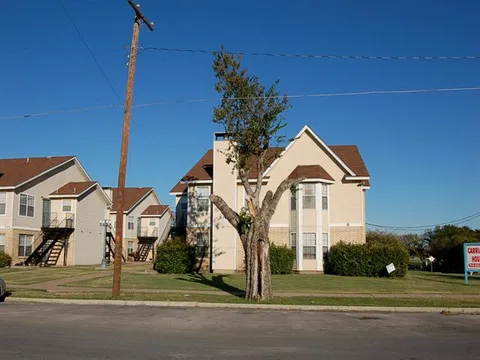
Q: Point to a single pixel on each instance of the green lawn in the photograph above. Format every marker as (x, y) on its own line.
(414, 282)
(404, 302)
(33, 275)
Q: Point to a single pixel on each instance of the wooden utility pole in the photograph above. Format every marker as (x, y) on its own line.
(122, 172)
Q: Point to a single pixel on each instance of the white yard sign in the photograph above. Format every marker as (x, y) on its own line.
(471, 254)
(390, 268)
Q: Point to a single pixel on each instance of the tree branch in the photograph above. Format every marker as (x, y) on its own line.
(284, 185)
(260, 169)
(244, 178)
(232, 217)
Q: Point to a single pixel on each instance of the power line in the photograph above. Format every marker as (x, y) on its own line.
(425, 227)
(90, 51)
(313, 56)
(296, 96)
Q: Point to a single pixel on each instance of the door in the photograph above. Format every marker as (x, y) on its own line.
(46, 213)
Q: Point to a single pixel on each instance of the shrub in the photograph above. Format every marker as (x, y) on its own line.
(281, 259)
(175, 257)
(5, 260)
(366, 259)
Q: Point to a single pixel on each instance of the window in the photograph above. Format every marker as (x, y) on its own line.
(25, 243)
(2, 242)
(309, 196)
(183, 203)
(293, 202)
(202, 244)
(324, 243)
(130, 248)
(202, 193)
(309, 246)
(324, 197)
(27, 205)
(67, 205)
(3, 203)
(152, 222)
(131, 223)
(293, 240)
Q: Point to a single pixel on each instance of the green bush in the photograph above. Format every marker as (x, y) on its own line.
(281, 259)
(368, 259)
(5, 260)
(175, 257)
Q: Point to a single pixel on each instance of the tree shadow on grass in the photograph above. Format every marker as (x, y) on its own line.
(216, 282)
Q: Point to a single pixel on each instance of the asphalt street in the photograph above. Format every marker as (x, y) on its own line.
(52, 331)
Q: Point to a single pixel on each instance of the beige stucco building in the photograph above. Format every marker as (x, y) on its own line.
(50, 212)
(327, 207)
(146, 222)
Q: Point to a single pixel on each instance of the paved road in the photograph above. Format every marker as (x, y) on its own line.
(47, 331)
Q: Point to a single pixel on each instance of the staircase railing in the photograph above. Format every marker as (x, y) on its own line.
(147, 232)
(53, 220)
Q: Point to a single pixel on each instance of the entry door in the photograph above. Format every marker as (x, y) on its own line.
(46, 212)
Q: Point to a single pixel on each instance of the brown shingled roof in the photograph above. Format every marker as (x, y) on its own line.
(131, 197)
(202, 170)
(310, 172)
(155, 210)
(14, 172)
(351, 157)
(74, 188)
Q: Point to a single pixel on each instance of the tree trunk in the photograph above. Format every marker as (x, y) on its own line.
(251, 286)
(265, 276)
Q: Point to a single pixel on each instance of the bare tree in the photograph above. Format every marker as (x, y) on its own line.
(252, 117)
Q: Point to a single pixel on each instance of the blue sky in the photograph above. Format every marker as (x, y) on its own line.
(421, 149)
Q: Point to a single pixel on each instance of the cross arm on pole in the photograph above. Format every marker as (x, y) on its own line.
(140, 16)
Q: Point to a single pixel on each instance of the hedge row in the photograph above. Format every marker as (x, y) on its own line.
(175, 257)
(281, 260)
(368, 259)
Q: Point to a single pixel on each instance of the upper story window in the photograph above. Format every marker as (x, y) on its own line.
(131, 222)
(2, 242)
(3, 203)
(67, 205)
(293, 201)
(27, 205)
(324, 197)
(183, 203)
(202, 193)
(152, 222)
(309, 196)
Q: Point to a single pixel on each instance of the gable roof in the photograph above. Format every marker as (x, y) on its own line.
(15, 172)
(310, 172)
(132, 196)
(347, 156)
(202, 170)
(351, 156)
(155, 210)
(73, 188)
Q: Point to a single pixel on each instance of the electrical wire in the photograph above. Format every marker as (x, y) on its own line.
(296, 96)
(425, 227)
(90, 51)
(313, 56)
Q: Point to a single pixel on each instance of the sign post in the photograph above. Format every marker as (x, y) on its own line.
(471, 256)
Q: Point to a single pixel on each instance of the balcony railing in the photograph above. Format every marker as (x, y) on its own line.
(58, 220)
(147, 232)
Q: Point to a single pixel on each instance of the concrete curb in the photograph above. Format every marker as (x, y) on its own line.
(193, 304)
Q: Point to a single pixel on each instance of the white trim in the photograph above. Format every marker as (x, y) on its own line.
(175, 193)
(196, 181)
(7, 187)
(318, 180)
(300, 228)
(365, 187)
(357, 178)
(82, 168)
(328, 221)
(25, 228)
(235, 201)
(74, 195)
(324, 145)
(319, 228)
(154, 216)
(346, 224)
(212, 215)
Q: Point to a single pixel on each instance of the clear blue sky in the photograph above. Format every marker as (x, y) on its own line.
(422, 150)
